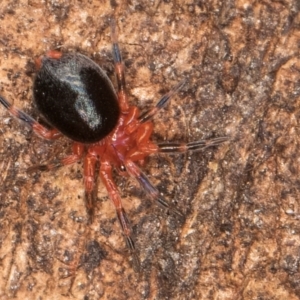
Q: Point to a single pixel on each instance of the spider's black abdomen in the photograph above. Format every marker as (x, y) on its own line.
(76, 97)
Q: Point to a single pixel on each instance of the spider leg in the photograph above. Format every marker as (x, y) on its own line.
(144, 146)
(192, 146)
(90, 184)
(119, 69)
(78, 150)
(149, 114)
(135, 172)
(49, 134)
(106, 177)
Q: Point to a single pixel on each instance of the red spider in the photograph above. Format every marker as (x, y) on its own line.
(76, 97)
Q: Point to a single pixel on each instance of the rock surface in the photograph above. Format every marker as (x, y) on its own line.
(239, 238)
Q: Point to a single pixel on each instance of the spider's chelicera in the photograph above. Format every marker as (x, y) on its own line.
(78, 100)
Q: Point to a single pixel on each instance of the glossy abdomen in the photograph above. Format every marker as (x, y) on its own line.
(76, 97)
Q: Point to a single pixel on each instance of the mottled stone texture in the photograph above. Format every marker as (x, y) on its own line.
(240, 238)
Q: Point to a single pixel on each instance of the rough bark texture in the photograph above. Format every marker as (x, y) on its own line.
(240, 238)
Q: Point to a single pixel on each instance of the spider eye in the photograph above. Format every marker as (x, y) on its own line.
(122, 168)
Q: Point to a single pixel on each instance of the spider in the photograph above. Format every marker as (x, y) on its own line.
(78, 100)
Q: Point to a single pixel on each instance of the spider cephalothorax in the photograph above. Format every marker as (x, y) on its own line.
(77, 98)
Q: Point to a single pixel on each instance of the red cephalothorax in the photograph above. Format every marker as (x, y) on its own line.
(78, 100)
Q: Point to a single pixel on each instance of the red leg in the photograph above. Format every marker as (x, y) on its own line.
(144, 145)
(119, 69)
(131, 121)
(144, 133)
(39, 129)
(90, 184)
(106, 177)
(78, 150)
(51, 54)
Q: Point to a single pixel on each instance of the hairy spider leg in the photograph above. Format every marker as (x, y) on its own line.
(49, 134)
(106, 177)
(135, 172)
(192, 146)
(78, 151)
(145, 129)
(163, 101)
(175, 147)
(119, 69)
(90, 184)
